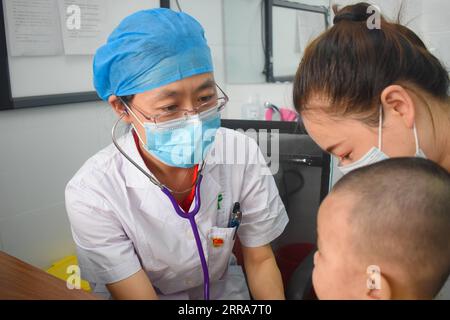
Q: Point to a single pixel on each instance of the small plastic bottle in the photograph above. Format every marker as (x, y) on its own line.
(252, 110)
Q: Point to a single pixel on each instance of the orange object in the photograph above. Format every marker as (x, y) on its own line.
(186, 203)
(217, 242)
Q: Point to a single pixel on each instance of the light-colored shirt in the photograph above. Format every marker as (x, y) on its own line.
(121, 222)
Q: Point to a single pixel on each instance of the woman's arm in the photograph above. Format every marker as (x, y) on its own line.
(136, 287)
(263, 275)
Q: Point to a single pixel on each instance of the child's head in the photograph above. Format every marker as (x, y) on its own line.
(384, 233)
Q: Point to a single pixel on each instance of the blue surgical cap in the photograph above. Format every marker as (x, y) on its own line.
(150, 49)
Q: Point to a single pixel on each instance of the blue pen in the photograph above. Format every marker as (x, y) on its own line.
(235, 218)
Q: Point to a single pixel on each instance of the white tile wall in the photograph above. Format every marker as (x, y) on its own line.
(38, 236)
(435, 15)
(42, 150)
(435, 26)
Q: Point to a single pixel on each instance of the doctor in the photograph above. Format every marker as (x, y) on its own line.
(156, 72)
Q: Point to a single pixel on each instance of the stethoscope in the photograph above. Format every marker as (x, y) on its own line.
(185, 215)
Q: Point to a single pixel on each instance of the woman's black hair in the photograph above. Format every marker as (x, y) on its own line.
(351, 64)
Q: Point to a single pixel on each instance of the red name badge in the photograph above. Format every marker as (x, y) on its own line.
(217, 242)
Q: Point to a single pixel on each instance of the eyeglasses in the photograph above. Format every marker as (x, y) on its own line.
(213, 102)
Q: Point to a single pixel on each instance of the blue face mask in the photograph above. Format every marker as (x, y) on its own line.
(182, 143)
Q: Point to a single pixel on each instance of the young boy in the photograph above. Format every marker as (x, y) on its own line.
(384, 233)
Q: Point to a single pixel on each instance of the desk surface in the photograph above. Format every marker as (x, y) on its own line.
(20, 280)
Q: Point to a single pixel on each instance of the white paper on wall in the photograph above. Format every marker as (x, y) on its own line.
(55, 27)
(83, 25)
(32, 28)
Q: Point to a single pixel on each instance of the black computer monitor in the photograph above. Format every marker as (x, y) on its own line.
(303, 176)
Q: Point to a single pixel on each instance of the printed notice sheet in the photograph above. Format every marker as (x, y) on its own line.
(32, 27)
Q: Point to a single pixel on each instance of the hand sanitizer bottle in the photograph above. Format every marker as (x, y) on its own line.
(252, 110)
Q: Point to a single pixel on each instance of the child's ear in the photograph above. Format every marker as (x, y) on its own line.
(378, 287)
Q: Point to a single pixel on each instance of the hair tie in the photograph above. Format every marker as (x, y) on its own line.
(349, 16)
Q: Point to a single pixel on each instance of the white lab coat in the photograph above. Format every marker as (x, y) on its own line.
(121, 222)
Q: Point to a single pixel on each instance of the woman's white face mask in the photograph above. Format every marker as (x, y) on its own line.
(375, 154)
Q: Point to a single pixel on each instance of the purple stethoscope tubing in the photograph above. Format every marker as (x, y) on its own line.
(185, 215)
(191, 217)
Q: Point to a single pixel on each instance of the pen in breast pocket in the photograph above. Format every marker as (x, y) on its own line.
(235, 218)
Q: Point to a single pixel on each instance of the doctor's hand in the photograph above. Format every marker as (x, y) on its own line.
(264, 277)
(136, 287)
